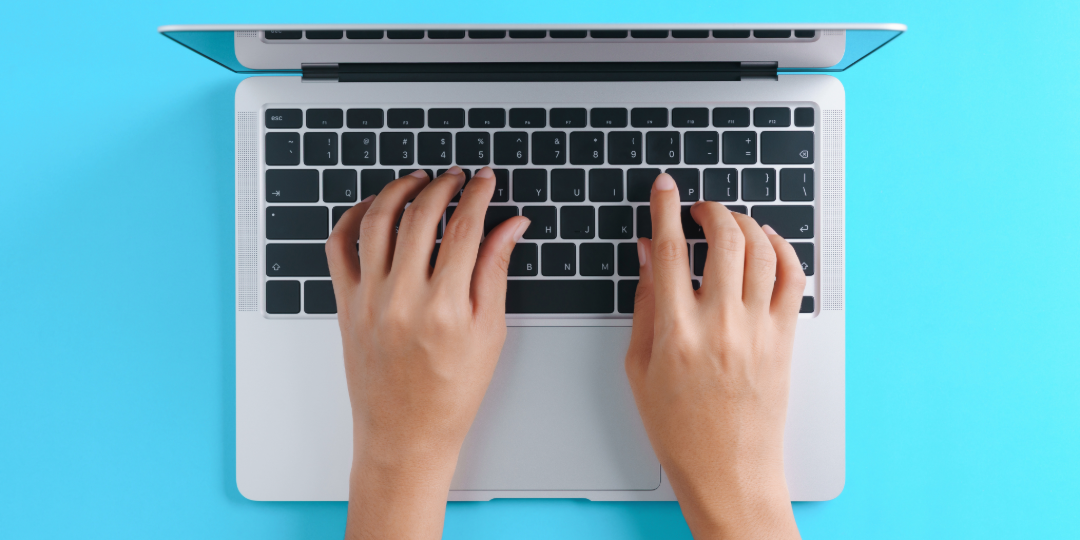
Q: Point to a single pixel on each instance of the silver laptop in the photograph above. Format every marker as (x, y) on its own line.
(576, 121)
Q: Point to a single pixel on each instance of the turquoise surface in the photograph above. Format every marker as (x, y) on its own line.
(116, 246)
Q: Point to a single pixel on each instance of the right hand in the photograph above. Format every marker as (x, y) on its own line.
(710, 369)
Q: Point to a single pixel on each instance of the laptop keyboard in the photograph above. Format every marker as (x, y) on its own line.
(582, 175)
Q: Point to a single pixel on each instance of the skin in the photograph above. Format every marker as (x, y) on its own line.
(709, 368)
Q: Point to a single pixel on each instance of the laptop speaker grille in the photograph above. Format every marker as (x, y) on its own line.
(832, 219)
(247, 211)
(247, 33)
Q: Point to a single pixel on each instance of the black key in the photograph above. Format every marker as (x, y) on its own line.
(396, 148)
(528, 34)
(473, 148)
(805, 252)
(597, 259)
(319, 297)
(690, 228)
(524, 260)
(804, 117)
(627, 293)
(729, 117)
(284, 118)
(405, 34)
(549, 148)
(283, 297)
(740, 147)
(372, 181)
(496, 215)
(765, 34)
(616, 222)
(528, 118)
(487, 118)
(434, 255)
(790, 221)
(687, 182)
(695, 283)
(502, 186)
(702, 148)
(648, 34)
(690, 117)
(607, 117)
(805, 33)
(282, 148)
(624, 147)
(296, 222)
(689, 34)
(807, 305)
(405, 118)
(568, 118)
(511, 148)
(530, 185)
(797, 185)
(605, 185)
(608, 34)
(336, 214)
(339, 185)
(577, 222)
(653, 117)
(560, 295)
(731, 34)
(292, 185)
(358, 148)
(586, 148)
(558, 259)
(701, 250)
(320, 148)
(772, 117)
(787, 147)
(435, 148)
(364, 34)
(737, 209)
(406, 172)
(628, 259)
(639, 184)
(487, 34)
(283, 34)
(759, 184)
(364, 118)
(568, 34)
(295, 260)
(446, 34)
(662, 147)
(644, 222)
(446, 118)
(544, 224)
(568, 185)
(324, 118)
(721, 185)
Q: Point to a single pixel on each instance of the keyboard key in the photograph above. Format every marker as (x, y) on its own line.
(729, 117)
(568, 118)
(558, 259)
(435, 148)
(296, 260)
(797, 185)
(804, 117)
(605, 185)
(807, 305)
(689, 34)
(690, 117)
(739, 209)
(628, 259)
(284, 118)
(364, 118)
(320, 148)
(721, 185)
(468, 176)
(766, 34)
(405, 34)
(406, 172)
(487, 118)
(702, 148)
(364, 34)
(787, 147)
(695, 284)
(528, 34)
(662, 147)
(336, 214)
(616, 222)
(511, 148)
(446, 118)
(639, 184)
(282, 148)
(319, 297)
(652, 117)
(372, 181)
(473, 148)
(644, 222)
(568, 185)
(487, 34)
(358, 148)
(528, 118)
(624, 147)
(608, 34)
(577, 222)
(587, 148)
(649, 34)
(544, 224)
(324, 118)
(607, 117)
(789, 221)
(805, 252)
(530, 185)
(296, 222)
(688, 184)
(502, 186)
(292, 185)
(524, 260)
(805, 33)
(445, 34)
(740, 147)
(405, 118)
(690, 228)
(597, 259)
(627, 293)
(549, 148)
(701, 251)
(731, 34)
(772, 117)
(560, 295)
(396, 148)
(759, 184)
(568, 34)
(496, 215)
(283, 34)
(283, 297)
(339, 185)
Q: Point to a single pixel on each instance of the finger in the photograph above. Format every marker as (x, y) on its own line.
(723, 275)
(461, 239)
(377, 230)
(420, 223)
(641, 337)
(492, 264)
(669, 260)
(790, 279)
(341, 249)
(759, 272)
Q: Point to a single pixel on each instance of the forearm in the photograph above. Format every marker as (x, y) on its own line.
(398, 500)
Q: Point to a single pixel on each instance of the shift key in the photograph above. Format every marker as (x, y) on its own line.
(789, 221)
(296, 260)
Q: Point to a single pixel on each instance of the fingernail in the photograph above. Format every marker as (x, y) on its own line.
(484, 173)
(664, 182)
(641, 253)
(455, 170)
(522, 227)
(768, 229)
(419, 173)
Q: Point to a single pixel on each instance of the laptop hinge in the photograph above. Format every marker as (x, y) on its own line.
(539, 71)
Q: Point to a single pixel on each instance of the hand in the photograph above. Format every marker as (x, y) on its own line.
(710, 369)
(420, 344)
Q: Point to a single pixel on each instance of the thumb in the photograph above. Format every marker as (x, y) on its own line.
(489, 275)
(641, 338)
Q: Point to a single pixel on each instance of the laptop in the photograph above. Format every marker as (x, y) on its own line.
(576, 121)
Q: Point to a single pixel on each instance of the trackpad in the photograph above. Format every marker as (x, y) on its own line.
(559, 415)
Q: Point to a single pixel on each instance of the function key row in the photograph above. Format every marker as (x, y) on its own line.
(599, 117)
(321, 35)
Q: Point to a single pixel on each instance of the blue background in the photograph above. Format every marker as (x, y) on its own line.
(116, 274)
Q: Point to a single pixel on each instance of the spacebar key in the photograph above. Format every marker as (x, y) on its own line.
(560, 296)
